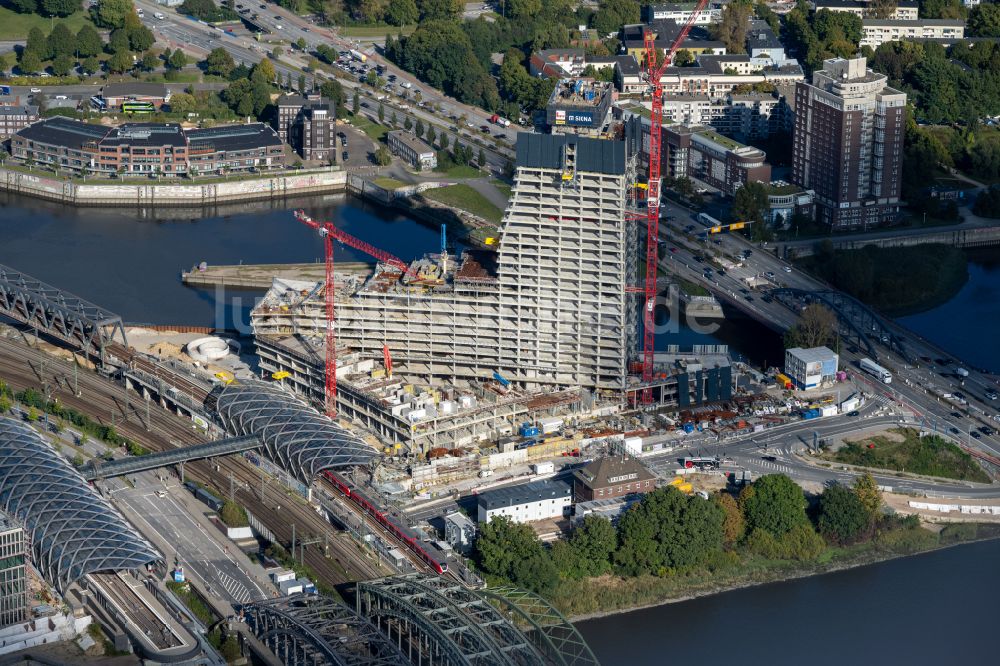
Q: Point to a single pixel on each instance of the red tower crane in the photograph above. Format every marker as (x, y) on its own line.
(655, 73)
(329, 233)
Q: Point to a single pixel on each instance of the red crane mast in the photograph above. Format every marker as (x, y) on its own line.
(655, 73)
(329, 233)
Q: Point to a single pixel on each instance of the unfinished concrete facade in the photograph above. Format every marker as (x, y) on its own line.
(548, 310)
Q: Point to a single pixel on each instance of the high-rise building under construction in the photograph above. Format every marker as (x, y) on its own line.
(548, 309)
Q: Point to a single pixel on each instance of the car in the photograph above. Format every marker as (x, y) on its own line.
(986, 430)
(956, 415)
(854, 413)
(343, 140)
(722, 271)
(673, 249)
(36, 90)
(976, 435)
(263, 6)
(767, 299)
(277, 18)
(769, 275)
(769, 458)
(954, 431)
(485, 129)
(344, 156)
(926, 359)
(787, 269)
(959, 396)
(992, 395)
(61, 97)
(748, 298)
(305, 29)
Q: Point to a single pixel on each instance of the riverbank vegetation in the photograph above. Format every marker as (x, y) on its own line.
(895, 280)
(906, 451)
(671, 546)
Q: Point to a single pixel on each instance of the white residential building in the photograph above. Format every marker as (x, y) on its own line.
(906, 10)
(527, 502)
(876, 32)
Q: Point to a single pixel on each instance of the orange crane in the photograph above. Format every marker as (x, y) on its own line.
(329, 233)
(387, 358)
(655, 73)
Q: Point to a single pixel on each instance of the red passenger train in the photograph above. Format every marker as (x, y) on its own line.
(423, 550)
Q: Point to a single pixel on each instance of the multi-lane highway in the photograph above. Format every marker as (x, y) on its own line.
(918, 381)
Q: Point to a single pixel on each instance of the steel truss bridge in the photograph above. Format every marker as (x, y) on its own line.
(419, 619)
(860, 324)
(58, 313)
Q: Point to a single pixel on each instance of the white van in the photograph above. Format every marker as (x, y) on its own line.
(159, 16)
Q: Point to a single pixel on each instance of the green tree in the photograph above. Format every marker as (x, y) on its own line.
(382, 156)
(4, 404)
(842, 517)
(91, 65)
(302, 84)
(866, 488)
(233, 515)
(734, 525)
(733, 25)
(750, 203)
(264, 72)
(407, 124)
(60, 7)
(502, 544)
(277, 52)
(32, 414)
(183, 103)
(24, 6)
(611, 15)
(773, 503)
(301, 44)
(6, 63)
(371, 78)
(881, 9)
(802, 543)
(333, 91)
(356, 103)
(381, 112)
(77, 460)
(61, 41)
(481, 159)
(88, 41)
(30, 62)
(984, 21)
(140, 38)
(523, 9)
(219, 62)
(443, 141)
(816, 327)
(62, 65)
(684, 58)
(431, 10)
(401, 12)
(594, 543)
(112, 13)
(431, 135)
(118, 42)
(231, 649)
(37, 43)
(419, 129)
(177, 60)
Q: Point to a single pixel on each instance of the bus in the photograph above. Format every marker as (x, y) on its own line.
(876, 370)
(4, 90)
(98, 103)
(142, 108)
(708, 220)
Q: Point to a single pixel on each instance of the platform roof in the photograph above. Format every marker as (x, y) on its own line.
(74, 531)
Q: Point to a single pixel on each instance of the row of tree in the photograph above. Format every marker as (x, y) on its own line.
(668, 532)
(54, 8)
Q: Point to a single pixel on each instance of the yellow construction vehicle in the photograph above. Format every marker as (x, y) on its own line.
(225, 377)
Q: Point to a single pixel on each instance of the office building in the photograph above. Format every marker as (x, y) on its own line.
(579, 106)
(811, 368)
(526, 503)
(412, 150)
(680, 12)
(848, 144)
(308, 125)
(152, 149)
(720, 162)
(459, 530)
(13, 573)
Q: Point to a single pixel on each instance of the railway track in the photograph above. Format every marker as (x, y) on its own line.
(22, 367)
(159, 634)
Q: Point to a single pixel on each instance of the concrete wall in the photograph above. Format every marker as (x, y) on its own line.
(104, 193)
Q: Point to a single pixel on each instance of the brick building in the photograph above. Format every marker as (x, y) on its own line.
(14, 117)
(700, 153)
(848, 144)
(308, 125)
(612, 476)
(148, 148)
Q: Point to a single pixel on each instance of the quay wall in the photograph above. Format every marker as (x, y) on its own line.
(103, 193)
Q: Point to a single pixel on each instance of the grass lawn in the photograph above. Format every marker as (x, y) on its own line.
(376, 30)
(690, 288)
(462, 171)
(388, 183)
(503, 187)
(16, 26)
(374, 130)
(906, 451)
(467, 199)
